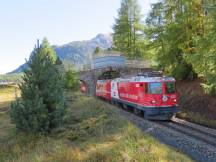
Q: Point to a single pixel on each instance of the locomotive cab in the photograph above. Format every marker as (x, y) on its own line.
(156, 97)
(160, 99)
(161, 93)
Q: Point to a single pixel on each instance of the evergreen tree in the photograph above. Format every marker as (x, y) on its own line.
(41, 106)
(60, 66)
(128, 28)
(58, 61)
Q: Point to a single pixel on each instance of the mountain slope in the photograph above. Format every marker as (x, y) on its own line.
(78, 52)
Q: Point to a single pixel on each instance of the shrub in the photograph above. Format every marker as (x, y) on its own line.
(209, 88)
(71, 80)
(183, 71)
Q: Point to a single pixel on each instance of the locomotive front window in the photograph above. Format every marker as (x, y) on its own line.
(170, 87)
(155, 88)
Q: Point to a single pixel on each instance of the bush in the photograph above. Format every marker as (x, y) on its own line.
(42, 105)
(183, 71)
(71, 80)
(209, 88)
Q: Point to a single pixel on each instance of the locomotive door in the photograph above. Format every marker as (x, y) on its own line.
(114, 89)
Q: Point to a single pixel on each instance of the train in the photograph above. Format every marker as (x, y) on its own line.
(153, 97)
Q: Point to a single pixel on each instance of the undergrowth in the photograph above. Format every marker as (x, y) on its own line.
(93, 132)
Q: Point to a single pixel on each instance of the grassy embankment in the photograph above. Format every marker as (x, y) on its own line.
(94, 131)
(196, 106)
(197, 118)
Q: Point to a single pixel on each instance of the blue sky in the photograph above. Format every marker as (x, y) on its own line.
(22, 22)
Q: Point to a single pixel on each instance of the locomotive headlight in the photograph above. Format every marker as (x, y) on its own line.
(175, 100)
(153, 101)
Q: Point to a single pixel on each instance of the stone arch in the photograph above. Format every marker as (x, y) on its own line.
(110, 74)
(90, 77)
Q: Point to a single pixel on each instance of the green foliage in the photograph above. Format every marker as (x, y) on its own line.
(179, 37)
(59, 61)
(183, 35)
(183, 71)
(128, 29)
(172, 27)
(71, 80)
(97, 50)
(204, 58)
(210, 88)
(48, 51)
(41, 106)
(93, 132)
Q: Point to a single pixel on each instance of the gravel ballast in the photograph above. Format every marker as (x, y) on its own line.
(196, 149)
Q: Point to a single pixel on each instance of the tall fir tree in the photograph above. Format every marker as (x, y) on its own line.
(41, 106)
(128, 28)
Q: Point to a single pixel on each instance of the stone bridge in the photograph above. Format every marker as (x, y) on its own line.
(90, 77)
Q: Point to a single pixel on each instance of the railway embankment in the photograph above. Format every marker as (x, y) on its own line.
(195, 105)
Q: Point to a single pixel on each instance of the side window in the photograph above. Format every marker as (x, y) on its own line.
(170, 87)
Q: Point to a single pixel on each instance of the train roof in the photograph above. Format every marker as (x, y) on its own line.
(146, 79)
(143, 79)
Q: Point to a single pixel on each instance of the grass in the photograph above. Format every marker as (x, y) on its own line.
(7, 94)
(93, 132)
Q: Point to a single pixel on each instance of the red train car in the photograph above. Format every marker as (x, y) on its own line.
(155, 97)
(103, 89)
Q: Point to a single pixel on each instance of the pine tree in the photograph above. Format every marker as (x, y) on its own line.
(128, 28)
(59, 61)
(41, 106)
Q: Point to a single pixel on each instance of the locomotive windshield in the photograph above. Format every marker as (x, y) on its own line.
(155, 88)
(170, 87)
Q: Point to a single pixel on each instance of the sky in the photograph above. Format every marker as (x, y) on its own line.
(22, 22)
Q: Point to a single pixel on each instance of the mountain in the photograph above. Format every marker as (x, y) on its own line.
(20, 69)
(78, 52)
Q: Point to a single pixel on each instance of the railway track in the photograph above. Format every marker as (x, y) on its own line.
(193, 130)
(196, 131)
(196, 141)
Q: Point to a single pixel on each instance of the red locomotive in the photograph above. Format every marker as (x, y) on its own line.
(155, 97)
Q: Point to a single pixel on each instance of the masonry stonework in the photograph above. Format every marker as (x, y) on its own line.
(90, 77)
